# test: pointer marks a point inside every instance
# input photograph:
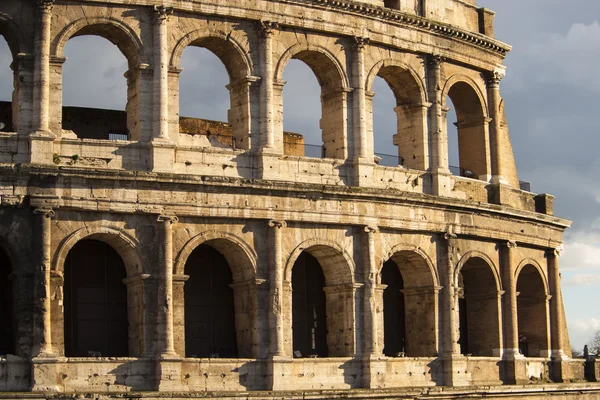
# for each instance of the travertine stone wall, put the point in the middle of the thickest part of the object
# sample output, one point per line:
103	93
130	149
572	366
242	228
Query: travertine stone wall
261	203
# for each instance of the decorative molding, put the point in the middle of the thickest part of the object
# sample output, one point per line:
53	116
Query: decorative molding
267	28
44	6
45	212
162	13
172	219
277	224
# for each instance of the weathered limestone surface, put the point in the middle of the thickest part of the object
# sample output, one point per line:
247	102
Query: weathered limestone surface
478	256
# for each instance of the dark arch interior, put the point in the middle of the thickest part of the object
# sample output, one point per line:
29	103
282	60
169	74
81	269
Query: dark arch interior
209	306
531	311
478	309
96	323
309	321
393	310
6	306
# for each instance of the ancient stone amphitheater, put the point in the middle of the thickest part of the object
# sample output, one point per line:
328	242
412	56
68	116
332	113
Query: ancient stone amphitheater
140	257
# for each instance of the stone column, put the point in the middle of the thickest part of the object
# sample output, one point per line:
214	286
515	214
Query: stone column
370	347
168	363
362	152
162	150
41	139
513	360
161	73
279	362
373	361
43	363
438	139
454	363
266	29
41	68
276	290
496	145
165	299
556	306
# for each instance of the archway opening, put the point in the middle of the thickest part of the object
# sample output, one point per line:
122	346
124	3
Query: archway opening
210	323
319	121
6	87
220	119
7	344
410	304
98	101
309	321
399	119
96	318
478	305
467	133
393	310
532	313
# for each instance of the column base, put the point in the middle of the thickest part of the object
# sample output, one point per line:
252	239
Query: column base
161	155
374	371
44	374
279	371
456	371
441	183
168	373
41	147
363	171
269	165
514	368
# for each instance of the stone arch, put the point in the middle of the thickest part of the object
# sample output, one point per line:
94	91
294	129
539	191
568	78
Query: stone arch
338	266
478	254
123	243
411	111
237	61
532	309
12	34
410	303
479	309
421	261
235	250
116	31
534	263
473	126
241	260
331	76
319	59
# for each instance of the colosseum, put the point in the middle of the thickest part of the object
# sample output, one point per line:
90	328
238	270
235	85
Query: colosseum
149	255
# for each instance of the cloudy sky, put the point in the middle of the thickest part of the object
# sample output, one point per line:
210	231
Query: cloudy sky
551	94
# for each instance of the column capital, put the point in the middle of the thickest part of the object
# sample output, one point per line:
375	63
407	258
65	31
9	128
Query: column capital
511	244
45	212
277	224
359	42
450	234
494	77
556	252
267	28
435	60
44	6
162	13
371	229
171	219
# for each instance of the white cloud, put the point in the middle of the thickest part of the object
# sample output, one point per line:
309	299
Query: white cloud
585	326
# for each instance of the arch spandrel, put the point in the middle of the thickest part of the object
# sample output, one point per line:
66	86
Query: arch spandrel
231	47
114	30
240	256
337	264
123	243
